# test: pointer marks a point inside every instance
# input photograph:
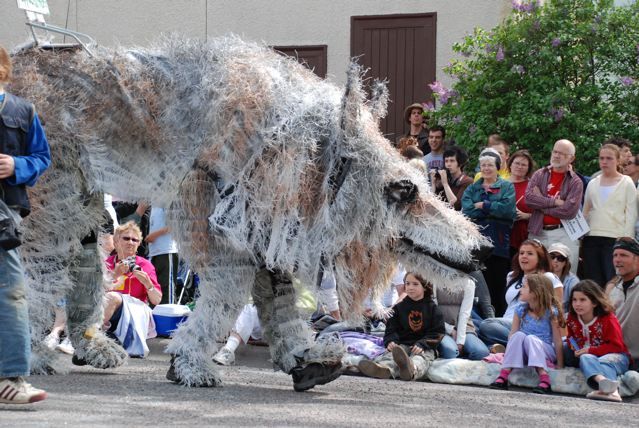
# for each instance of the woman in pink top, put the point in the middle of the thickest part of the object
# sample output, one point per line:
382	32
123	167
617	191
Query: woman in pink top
521	166
131	274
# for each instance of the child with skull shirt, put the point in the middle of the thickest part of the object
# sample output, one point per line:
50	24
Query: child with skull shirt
412	335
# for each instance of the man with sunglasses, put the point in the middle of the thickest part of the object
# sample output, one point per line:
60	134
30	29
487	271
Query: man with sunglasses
554	194
624	293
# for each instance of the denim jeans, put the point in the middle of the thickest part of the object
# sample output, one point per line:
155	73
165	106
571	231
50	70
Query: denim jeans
495	330
610	366
474	348
15	346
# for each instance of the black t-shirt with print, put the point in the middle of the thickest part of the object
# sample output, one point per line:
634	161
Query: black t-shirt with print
415	322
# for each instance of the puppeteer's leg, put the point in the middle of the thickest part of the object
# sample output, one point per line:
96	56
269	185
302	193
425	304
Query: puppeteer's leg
291	341
84	314
224	290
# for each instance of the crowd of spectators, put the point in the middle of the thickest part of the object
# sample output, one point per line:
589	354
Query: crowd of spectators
546	225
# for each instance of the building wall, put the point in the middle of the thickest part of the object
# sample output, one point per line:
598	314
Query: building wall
276	22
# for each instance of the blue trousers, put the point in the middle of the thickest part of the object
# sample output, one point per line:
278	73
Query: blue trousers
15	346
495	330
609	366
474	348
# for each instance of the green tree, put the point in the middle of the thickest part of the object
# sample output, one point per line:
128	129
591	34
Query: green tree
567	69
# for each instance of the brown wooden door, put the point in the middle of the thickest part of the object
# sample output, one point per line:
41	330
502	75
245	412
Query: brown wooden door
313	57
400	49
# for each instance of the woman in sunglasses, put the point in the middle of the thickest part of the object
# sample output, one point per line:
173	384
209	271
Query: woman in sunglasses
560	266
134	286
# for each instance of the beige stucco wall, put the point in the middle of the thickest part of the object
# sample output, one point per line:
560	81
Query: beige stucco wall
277	22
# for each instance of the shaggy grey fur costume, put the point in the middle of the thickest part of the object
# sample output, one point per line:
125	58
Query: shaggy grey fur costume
267	171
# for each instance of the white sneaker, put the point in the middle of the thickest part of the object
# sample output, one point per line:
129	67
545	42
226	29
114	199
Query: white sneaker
224	357
65	346
17	391
51	341
379	328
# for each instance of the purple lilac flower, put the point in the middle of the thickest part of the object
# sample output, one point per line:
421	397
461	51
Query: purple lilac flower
499	56
536	25
556	42
522	6
443	94
627	81
472	129
448	95
457	119
443	98
429	106
437	87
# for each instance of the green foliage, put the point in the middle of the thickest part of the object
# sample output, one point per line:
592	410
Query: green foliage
567	69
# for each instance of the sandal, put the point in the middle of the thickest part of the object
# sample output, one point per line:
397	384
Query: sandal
500	383
542	388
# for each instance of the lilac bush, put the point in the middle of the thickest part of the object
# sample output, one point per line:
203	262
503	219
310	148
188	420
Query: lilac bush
564	69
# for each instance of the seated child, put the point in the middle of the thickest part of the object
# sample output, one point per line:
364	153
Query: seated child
535	337
595	337
412	335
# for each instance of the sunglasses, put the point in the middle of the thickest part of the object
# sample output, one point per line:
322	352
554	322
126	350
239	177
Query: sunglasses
127	239
558	257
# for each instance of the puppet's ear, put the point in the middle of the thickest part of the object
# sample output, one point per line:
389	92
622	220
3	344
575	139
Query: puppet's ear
379	100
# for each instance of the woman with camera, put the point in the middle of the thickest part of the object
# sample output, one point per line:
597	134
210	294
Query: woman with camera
134	283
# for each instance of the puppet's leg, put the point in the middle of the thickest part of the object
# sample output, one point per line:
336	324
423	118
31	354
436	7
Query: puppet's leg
224	290
290	339
85	311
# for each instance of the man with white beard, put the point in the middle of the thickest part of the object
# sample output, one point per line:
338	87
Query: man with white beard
554	193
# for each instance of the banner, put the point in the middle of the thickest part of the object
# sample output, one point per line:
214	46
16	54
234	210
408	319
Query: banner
37	6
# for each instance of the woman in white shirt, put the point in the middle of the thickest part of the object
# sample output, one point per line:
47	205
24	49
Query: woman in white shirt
531	258
610	207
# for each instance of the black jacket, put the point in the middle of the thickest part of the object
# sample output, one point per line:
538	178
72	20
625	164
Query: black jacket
415	323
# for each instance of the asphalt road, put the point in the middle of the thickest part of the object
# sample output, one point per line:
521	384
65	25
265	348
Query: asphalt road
254	395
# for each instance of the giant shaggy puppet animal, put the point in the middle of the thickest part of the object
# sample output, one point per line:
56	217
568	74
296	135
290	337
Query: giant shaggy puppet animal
267	171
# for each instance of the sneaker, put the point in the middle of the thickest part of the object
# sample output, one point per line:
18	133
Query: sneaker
17	391
608	386
379	328
314	374
372	369
224	357
51	341
406	368
66	346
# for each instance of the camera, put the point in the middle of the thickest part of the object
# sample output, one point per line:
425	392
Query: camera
129	262
438	176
